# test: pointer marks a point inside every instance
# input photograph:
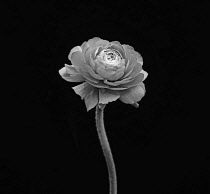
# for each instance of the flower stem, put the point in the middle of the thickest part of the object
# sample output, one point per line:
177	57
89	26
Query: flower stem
106	149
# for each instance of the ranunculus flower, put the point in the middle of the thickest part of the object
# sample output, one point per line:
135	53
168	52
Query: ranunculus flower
108	71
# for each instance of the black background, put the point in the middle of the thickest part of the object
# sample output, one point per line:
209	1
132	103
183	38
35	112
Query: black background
49	142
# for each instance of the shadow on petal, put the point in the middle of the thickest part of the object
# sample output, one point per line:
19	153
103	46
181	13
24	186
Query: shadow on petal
91	100
106	96
132	95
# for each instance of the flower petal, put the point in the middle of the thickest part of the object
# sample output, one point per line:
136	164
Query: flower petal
83	89
144	73
136	70
92	42
76	59
78	62
106	96
87	54
116	76
117	83
129	50
138	79
76	77
91	100
103	73
102	85
117	46
84	47
131	64
132	95
93	74
102	43
71	69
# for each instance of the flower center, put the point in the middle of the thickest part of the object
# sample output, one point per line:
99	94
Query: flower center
110	57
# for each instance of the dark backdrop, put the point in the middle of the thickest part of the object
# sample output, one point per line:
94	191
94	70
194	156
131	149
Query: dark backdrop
49	143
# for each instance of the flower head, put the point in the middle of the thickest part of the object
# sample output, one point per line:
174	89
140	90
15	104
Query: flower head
108	71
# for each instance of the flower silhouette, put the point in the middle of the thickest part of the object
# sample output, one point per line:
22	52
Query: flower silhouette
108	70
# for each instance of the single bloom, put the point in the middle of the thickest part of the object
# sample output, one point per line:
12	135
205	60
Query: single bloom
108	70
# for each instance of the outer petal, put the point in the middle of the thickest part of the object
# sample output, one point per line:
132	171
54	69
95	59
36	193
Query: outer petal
131	64
75	49
89	52
91	100
92	42
75	77
83	89
136	70
98	85
102	85
144	73
128	52
137	80
77	59
71	69
132	95
117	83
106	96
102	43
78	62
84	47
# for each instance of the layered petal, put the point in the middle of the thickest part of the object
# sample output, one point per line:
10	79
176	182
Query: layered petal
132	95
132	62
116	75
102	85
91	100
92	42
93	73
103	73
135	70
84	47
144	73
102	43
137	80
83	89
79	64
117	46
71	75
128	52
117	83
106	96
77	59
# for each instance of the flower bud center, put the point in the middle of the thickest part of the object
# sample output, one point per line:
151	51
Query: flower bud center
110	57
